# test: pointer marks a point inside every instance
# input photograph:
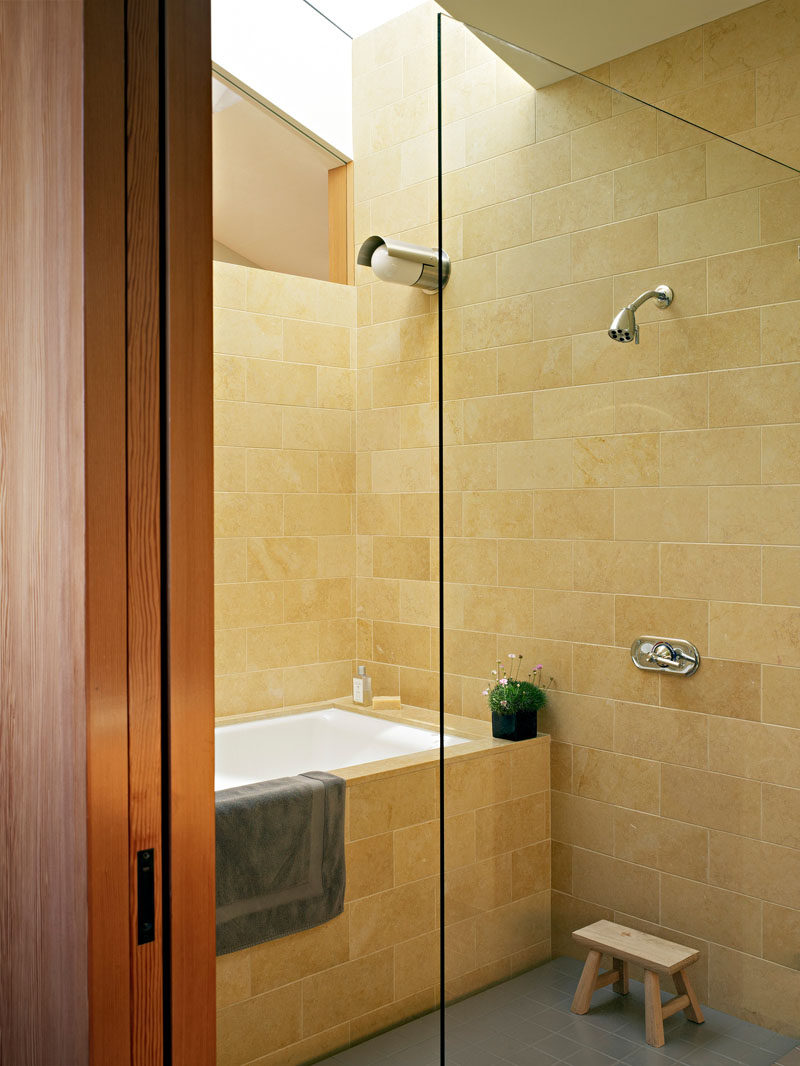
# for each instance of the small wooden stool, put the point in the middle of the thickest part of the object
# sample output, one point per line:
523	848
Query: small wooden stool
655	955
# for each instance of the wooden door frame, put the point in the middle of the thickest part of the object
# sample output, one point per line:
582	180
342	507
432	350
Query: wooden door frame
149	527
106	578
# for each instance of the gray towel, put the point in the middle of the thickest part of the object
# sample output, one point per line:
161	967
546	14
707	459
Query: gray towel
280	858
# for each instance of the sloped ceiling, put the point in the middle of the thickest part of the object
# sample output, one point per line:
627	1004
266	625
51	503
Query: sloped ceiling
581	34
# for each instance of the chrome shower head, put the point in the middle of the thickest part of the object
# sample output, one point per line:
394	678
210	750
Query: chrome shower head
624	328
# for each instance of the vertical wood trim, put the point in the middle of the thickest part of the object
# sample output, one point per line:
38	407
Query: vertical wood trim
189	548
144	507
43	884
106	576
341	251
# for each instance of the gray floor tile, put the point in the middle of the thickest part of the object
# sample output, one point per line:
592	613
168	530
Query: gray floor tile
649	1056
560	1047
527	1022
588	1056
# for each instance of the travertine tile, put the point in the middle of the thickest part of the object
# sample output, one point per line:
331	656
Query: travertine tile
503	225
594	359
385	918
630	781
573	513
574	410
754	989
242	333
538	464
615	249
781	580
752	277
573	616
570	104
760	752
709	227
718	572
611	882
749	631
764	871
578	308
344	991
616	142
614	461
661	183
781	815
651	404
705	911
579	205
663	69
781	698
501	129
747	39
616	566
583	823
532	168
638	615
780	333
712	342
717	801
259	1025
754	396
722	687
533	266
666	845
655	514
757	515
668	736
600	670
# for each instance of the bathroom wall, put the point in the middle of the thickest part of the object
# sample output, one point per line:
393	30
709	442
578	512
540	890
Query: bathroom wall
284	471
598	491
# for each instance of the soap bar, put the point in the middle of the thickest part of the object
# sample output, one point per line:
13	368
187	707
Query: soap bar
386	703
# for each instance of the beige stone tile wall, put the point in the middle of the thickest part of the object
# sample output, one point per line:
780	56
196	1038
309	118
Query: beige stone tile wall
291	1000
596	491
284	471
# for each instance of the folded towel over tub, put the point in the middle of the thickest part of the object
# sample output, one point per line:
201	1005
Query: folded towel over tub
280	858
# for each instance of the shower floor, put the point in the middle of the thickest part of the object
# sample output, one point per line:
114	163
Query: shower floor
527	1022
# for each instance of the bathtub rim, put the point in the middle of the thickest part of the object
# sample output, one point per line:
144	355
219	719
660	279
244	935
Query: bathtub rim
477	735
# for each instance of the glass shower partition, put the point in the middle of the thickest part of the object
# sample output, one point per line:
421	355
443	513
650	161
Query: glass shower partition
619	469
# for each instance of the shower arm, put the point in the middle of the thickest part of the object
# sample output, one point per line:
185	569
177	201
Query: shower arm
662	295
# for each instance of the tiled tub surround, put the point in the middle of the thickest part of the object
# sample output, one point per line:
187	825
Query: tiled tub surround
291	1000
284	471
598	491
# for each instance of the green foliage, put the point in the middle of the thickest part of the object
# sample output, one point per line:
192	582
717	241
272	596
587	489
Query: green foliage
516	697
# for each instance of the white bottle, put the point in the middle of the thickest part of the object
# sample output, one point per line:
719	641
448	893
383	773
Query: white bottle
362	688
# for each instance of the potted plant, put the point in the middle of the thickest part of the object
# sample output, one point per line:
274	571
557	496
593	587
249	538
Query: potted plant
514	703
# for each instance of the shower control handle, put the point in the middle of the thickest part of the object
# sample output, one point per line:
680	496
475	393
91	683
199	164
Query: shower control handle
671	655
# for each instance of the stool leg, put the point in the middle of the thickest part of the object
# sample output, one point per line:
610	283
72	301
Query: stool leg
583	993
683	986
654	1019
621	986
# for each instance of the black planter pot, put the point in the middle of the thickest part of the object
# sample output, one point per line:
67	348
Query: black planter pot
514	726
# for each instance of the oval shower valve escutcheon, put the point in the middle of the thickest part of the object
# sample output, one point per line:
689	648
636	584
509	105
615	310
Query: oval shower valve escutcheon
668	655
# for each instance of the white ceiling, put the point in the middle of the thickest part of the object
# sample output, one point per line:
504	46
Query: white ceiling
581	34
270	189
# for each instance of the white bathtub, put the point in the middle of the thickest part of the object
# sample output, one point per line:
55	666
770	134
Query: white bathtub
327	739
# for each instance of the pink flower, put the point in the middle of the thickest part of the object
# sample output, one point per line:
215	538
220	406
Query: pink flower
503	681
540	667
504	703
486	692
512	655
